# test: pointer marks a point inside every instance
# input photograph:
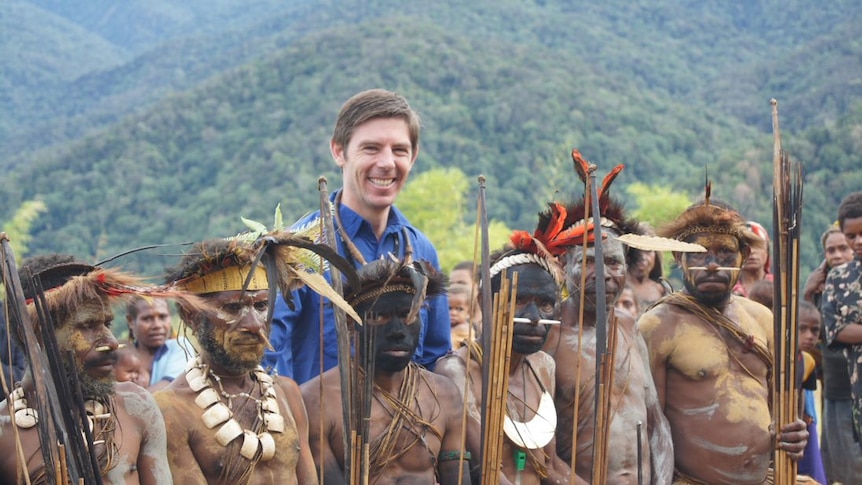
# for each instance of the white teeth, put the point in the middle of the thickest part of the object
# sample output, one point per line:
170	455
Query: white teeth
382	182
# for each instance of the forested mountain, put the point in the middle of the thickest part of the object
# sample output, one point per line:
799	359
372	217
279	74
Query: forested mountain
195	116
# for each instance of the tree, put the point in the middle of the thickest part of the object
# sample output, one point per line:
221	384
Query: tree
18	227
436	202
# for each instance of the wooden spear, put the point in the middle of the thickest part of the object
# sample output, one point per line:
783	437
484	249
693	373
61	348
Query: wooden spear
342	332
787	219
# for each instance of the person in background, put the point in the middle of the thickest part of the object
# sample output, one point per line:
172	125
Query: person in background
375	142
162	357
811	463
628	302
459	314
645	277
841	307
842	459
757	264
128	367
462	274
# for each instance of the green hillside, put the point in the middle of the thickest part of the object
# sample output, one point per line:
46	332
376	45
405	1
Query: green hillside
506	89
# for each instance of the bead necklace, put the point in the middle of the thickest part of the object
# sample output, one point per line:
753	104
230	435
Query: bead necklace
200	379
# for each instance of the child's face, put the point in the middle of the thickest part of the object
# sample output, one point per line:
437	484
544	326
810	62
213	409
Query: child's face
459	310
128	368
809	330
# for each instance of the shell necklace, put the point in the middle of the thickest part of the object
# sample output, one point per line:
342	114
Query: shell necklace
200	379
27	417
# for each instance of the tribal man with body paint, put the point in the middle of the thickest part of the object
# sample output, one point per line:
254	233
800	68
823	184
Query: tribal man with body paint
127	427
413	415
711	356
228	421
634	406
529	450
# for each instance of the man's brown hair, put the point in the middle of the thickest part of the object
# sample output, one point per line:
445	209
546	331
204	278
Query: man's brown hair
371	104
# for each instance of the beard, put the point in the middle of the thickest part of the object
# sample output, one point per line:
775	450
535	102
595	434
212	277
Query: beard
220	356
91	387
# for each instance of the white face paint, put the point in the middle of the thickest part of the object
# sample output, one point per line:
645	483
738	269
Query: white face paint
581	265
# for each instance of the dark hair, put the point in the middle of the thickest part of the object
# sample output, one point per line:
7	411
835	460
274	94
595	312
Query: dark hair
371	104
833	229
209	256
807	306
132	305
850	208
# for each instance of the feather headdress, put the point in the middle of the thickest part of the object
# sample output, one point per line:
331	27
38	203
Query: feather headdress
711	216
285	258
384	276
67	283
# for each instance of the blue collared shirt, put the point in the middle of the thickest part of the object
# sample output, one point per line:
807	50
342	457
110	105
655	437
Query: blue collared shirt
295	333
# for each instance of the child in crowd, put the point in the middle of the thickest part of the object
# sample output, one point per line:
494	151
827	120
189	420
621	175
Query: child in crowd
128	367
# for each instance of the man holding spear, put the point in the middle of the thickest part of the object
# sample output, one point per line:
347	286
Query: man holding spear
711	357
611	428
125	425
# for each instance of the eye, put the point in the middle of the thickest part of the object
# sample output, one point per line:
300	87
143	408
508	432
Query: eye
261	306
232	307
374	318
546	306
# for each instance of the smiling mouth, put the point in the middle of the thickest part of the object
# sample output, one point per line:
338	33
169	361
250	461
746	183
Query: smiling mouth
382	183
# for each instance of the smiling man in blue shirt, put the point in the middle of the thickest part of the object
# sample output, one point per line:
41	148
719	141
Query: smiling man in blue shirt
375	142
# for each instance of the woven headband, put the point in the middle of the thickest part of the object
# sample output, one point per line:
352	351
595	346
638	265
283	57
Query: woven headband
394	288
711	229
525	258
231	278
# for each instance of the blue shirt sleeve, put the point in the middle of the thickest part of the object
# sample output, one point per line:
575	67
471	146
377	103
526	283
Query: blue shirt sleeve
437	338
280	358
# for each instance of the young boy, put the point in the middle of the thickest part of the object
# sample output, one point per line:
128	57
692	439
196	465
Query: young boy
811	463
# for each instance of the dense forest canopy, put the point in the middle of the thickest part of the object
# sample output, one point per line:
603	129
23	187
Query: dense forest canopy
143	123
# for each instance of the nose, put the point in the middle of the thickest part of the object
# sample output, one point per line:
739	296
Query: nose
107	342
530	312
252	321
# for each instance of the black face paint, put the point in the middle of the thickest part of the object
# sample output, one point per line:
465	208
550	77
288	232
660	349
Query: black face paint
537	299
395	340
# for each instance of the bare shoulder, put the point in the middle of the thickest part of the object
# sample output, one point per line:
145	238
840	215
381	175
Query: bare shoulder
288	385
759	313
656	319
323	387
441	385
753	308
136	400
452	364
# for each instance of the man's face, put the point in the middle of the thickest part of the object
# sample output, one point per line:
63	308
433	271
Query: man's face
614	277
709	276
85	331
809	330
837	250
852	230
152	326
233	337
375	164
395	339
536	300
